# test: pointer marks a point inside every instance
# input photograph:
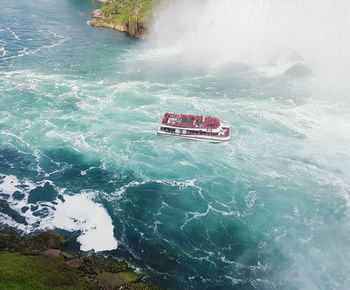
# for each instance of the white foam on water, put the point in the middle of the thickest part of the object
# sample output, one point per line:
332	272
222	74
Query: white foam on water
9	183
234	281
120	192
75	213
52	38
15	35
182	184
80	213
3	51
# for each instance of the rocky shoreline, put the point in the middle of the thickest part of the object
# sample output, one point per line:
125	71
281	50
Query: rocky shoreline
97	272
135	28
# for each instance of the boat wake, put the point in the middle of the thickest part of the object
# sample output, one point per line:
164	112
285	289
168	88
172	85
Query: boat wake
79	150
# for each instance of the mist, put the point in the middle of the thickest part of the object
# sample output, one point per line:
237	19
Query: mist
262	33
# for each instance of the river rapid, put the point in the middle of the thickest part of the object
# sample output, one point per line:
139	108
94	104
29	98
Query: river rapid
79	109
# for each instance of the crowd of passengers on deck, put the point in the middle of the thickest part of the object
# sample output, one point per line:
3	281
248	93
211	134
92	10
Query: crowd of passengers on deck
182	120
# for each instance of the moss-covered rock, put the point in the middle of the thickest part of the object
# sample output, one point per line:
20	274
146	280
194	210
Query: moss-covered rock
10	241
39	263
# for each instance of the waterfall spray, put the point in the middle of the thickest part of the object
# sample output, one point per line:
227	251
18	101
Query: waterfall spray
257	32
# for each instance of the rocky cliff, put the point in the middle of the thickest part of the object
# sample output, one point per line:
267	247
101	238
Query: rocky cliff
130	16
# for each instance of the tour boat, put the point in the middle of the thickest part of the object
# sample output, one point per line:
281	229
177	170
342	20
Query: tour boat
203	128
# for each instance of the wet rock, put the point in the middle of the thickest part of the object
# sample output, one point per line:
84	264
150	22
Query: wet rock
133	28
67	256
99	22
137	28
298	71
51	253
48	240
111	281
97	13
61	198
9	241
75	263
48	243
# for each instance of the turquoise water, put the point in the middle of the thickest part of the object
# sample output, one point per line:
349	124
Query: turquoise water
79	110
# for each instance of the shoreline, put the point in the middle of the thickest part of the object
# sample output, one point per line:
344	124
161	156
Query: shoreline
134	26
48	249
99	20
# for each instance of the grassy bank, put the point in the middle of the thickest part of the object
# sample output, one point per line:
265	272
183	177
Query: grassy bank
124	11
40	262
39	273
129	16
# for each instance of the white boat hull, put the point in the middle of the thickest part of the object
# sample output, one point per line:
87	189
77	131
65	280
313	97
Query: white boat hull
211	139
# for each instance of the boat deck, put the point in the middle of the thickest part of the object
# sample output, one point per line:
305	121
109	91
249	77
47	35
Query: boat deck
190	121
194	127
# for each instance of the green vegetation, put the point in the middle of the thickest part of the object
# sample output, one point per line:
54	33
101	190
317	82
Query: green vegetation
125	11
38	263
21	272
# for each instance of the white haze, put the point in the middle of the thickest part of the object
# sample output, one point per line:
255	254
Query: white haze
258	32
273	35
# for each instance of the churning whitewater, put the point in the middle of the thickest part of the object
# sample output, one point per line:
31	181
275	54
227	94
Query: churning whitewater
78	151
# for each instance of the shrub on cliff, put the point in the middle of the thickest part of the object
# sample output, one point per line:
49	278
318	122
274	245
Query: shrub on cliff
125	11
